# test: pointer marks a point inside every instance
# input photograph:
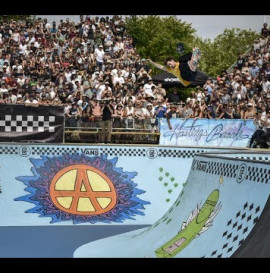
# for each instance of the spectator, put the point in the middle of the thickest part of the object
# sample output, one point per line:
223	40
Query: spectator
174	96
172	114
99	54
107	111
265	31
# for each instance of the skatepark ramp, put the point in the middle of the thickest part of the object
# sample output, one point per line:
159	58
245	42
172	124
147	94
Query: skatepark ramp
67	195
132	201
222	211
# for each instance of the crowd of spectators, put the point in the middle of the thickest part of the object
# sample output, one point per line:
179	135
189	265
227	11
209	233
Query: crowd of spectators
84	64
238	94
78	65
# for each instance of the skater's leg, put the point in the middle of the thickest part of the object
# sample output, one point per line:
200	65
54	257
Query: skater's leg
196	55
186	73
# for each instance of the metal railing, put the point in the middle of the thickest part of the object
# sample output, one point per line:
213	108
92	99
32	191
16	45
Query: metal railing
125	130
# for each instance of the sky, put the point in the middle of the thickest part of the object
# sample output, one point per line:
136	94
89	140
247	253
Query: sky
207	26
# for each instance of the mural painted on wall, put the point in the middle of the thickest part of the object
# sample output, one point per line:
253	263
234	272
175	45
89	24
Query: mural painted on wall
200	219
82	189
206	132
168	181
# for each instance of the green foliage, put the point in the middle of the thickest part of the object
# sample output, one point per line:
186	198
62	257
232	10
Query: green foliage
156	38
223	51
10	18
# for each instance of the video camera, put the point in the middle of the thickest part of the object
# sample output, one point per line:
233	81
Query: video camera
106	102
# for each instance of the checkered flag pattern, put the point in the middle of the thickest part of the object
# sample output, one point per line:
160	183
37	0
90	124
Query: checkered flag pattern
238	229
122	152
260	158
36	150
257	174
9	150
221	168
19	123
178	153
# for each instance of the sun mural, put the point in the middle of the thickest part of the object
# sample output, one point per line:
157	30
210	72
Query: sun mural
82	189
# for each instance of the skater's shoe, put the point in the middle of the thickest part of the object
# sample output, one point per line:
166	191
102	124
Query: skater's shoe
196	54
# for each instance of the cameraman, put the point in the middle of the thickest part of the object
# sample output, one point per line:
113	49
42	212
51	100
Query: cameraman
107	111
258	134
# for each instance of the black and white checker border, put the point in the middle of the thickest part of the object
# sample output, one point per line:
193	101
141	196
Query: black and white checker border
222	168
20	123
131	152
10	150
179	153
260	175
36	150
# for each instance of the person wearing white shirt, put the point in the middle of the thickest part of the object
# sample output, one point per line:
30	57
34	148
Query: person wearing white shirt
22	47
99	54
148	88
114	71
119	78
31	99
100	86
265	84
21	80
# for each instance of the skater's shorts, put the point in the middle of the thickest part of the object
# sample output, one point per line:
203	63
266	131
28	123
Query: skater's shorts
186	73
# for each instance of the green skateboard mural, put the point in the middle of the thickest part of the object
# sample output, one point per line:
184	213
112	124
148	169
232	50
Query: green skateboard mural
198	222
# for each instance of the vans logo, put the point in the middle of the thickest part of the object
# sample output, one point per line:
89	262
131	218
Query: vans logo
90	151
199	165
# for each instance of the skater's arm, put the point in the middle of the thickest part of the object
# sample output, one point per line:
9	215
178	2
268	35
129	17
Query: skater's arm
159	66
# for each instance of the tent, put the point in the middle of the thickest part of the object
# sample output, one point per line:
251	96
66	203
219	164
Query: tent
168	80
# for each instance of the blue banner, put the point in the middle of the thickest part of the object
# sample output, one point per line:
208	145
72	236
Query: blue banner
206	132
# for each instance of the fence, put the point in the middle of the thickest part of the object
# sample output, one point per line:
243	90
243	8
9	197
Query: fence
124	130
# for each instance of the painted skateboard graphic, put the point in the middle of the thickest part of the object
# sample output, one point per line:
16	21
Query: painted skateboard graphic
198	222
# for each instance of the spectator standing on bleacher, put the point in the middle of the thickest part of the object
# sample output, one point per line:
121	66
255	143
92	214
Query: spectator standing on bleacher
107	111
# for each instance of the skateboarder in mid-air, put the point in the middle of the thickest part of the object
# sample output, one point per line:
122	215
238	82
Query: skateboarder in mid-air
185	69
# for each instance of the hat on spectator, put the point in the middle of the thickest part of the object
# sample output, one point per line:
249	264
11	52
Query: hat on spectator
143	60
107	83
149	104
250	104
19	96
100	45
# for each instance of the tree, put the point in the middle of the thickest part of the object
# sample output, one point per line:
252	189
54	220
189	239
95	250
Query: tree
10	18
223	51
156	37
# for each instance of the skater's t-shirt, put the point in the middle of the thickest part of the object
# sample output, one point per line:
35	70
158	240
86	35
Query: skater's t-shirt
176	72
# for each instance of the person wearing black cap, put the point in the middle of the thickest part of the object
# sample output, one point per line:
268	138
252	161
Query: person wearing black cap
185	71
